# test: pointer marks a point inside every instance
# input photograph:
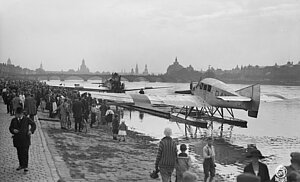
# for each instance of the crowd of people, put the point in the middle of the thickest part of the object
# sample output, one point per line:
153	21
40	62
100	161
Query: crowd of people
24	97
65	103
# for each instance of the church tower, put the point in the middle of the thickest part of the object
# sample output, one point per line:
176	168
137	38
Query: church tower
136	69
41	66
146	70
83	68
8	61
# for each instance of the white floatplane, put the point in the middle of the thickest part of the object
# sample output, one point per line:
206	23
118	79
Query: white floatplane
205	101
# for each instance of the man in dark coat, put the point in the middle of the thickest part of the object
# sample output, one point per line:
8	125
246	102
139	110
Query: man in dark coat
78	109
30	106
115	127
19	127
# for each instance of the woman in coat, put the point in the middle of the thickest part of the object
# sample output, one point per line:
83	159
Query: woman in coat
257	168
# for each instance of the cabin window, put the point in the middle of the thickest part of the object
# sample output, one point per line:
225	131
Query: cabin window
201	85
205	87
209	88
217	93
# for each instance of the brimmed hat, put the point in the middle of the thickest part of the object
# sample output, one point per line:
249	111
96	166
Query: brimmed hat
255	153
247	177
19	110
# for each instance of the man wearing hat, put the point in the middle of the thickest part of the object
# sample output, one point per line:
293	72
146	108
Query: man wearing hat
257	168
19	127
293	170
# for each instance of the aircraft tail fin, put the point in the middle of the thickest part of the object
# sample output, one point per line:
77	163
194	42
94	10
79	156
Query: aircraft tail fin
252	92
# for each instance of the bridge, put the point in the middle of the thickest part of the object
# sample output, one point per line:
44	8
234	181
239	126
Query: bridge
86	77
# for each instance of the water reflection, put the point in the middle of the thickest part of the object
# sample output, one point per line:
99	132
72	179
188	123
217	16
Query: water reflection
141	115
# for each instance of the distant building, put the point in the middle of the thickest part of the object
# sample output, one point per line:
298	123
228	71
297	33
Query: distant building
190	68
174	67
132	71
9	61
136	69
40	69
83	68
146	70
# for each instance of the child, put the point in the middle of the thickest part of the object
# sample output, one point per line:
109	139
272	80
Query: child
183	163
122	131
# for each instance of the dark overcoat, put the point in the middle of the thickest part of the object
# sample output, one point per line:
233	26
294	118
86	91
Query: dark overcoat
263	171
77	109
22	139
30	105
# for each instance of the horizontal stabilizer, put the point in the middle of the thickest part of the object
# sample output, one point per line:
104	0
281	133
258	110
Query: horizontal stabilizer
234	98
183	92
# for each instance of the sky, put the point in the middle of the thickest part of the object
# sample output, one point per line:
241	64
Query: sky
115	35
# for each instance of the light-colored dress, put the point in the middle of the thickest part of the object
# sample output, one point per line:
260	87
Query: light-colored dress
122	129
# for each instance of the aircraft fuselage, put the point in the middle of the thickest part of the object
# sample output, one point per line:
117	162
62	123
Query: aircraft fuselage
207	91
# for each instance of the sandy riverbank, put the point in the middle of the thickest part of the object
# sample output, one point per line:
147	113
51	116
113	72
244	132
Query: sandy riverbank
96	157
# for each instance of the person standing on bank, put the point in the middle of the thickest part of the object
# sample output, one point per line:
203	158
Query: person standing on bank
257	168
209	165
19	127
166	156
30	106
115	127
78	109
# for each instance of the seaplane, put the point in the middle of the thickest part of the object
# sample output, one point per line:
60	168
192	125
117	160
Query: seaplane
111	85
207	100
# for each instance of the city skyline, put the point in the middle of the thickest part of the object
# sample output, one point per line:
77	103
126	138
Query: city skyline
114	35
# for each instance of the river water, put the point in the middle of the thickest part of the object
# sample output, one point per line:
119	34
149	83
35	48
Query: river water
276	131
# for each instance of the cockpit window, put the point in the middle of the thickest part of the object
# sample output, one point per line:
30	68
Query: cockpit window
205	87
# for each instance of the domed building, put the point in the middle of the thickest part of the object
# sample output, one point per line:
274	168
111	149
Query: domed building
174	67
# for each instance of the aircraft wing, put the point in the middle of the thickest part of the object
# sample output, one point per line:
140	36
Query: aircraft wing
81	88
178	100
154	100
234	98
115	97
